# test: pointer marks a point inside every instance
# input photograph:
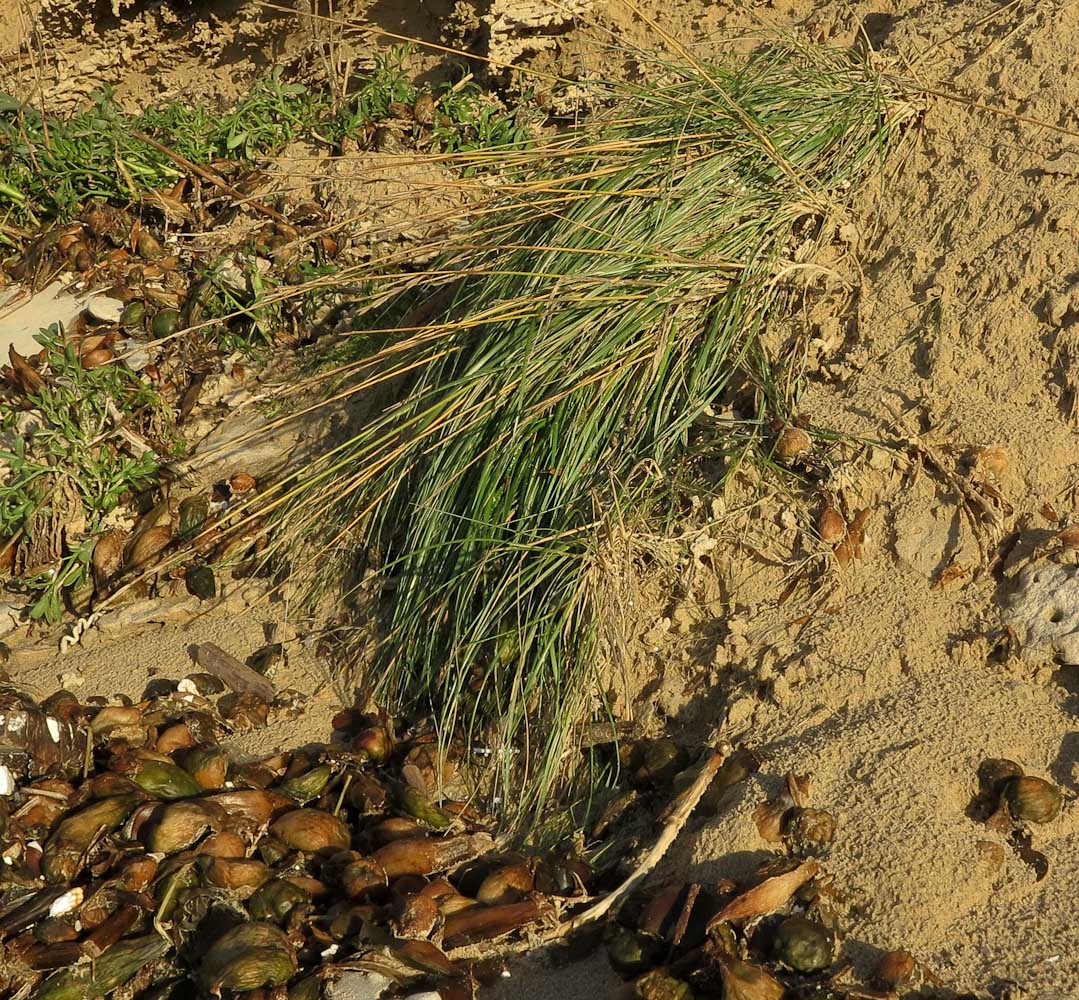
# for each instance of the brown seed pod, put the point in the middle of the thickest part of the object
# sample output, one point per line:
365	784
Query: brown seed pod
96	358
769	819
208	765
481	923
792	445
108	557
426	855
1069	537
311	831
253	804
225	844
994	773
1033	800
242	875
176	826
896	969
362	877
508	884
831	526
144	548
395	828
242	482
66	850
173	738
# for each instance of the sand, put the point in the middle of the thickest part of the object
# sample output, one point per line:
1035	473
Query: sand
951	324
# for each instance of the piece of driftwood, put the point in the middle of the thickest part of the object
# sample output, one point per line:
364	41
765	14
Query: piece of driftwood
238	676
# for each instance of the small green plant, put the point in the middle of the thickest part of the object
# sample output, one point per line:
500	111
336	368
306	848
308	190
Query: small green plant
69	474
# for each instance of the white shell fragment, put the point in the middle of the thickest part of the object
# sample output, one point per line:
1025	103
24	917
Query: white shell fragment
1044	611
66	903
7	782
104	309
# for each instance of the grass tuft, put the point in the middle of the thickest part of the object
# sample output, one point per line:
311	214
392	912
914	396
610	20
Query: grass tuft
611	291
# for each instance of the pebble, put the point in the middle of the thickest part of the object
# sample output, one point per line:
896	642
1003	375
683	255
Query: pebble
104	309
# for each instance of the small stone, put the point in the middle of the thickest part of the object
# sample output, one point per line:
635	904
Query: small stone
104	309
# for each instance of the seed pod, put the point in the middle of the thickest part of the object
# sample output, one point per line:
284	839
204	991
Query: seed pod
482	923
114	968
135	874
1033	800
792	445
254	804
147	246
311	831
223	844
417	804
192	514
275	899
201	582
631	952
96	358
375	741
803	945
208	765
896	969
307	786
832	527
809	831
507	885
176	827
133	314
426	855
164	324
659	984
65	851
241	875
361	877
1069	537
742	981
395	828
242	482
248	957
164	779
175	737
144	548
205	685
769	817
994	773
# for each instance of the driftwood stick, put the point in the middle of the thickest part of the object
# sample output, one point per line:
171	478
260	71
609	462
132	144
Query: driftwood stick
676	817
238	676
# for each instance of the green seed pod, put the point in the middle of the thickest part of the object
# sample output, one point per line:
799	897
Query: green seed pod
133	314
417	804
631	952
274	900
803	945
192	516
114	968
164	324
1033	800
66	849
148	246
248	957
742	981
659	984
201	582
165	780
307	786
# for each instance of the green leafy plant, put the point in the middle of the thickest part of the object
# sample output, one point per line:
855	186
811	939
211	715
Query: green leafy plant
70	459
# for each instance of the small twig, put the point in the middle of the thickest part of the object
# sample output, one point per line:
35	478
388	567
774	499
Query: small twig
674	818
214	178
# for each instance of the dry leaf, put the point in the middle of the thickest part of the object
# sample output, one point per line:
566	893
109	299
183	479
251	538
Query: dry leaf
769	896
25	373
952	572
769	819
798	788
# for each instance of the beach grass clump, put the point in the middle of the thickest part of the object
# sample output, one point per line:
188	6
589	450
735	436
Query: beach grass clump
608	292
